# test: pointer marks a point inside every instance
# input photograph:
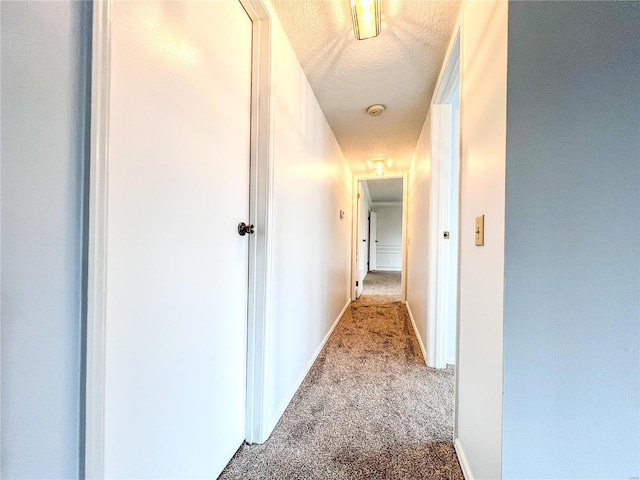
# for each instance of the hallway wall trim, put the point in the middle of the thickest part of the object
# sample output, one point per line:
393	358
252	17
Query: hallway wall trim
260	212
415	330
94	395
462	458
388	269
294	388
441	158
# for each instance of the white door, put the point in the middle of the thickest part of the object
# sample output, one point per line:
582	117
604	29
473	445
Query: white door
373	240
177	270
361	247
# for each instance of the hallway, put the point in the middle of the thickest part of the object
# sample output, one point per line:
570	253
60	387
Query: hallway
192	194
369	408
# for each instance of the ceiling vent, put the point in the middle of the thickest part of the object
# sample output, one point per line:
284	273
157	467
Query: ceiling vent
375	110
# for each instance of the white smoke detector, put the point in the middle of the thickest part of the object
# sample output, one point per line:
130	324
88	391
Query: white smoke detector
375	110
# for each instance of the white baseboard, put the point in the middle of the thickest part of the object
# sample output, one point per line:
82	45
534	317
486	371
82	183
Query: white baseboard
462	458
451	361
415	329
296	385
387	269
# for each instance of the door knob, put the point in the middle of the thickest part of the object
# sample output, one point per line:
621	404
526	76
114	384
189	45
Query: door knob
243	229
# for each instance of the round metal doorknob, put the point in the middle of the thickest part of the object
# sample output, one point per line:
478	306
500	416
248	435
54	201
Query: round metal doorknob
243	229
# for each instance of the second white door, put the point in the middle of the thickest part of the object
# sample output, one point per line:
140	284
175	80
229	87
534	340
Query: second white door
373	240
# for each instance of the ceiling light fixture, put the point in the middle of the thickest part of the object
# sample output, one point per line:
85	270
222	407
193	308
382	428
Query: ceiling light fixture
375	110
366	18
379	165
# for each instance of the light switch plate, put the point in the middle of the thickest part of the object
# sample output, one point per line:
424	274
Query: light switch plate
480	230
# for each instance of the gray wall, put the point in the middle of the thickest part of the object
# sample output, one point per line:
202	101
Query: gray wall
43	61
572	317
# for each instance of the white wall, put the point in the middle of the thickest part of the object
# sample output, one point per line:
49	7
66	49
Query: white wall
572	316
482	164
311	245
43	87
483	70
418	230
554	182
389	236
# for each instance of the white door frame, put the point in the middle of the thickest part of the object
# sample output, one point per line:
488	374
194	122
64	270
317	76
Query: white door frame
94	400
260	191
354	226
260	213
364	207
448	83
440	161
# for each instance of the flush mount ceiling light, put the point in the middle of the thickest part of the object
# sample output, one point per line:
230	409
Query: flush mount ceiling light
378	165
366	18
375	110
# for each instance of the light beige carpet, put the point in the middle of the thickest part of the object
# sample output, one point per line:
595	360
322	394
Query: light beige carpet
386	284
369	408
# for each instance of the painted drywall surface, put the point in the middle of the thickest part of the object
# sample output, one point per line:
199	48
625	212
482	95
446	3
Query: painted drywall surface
571	320
418	206
389	246
311	245
43	123
483	71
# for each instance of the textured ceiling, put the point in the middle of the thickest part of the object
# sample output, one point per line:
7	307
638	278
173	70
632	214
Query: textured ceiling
398	69
385	190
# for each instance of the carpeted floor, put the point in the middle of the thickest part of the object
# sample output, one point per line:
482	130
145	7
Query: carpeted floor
385	284
369	408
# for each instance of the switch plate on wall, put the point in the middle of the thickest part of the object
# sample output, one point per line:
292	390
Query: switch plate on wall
480	230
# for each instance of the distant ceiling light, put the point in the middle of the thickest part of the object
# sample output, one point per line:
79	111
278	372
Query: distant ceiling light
379	167
366	18
375	110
